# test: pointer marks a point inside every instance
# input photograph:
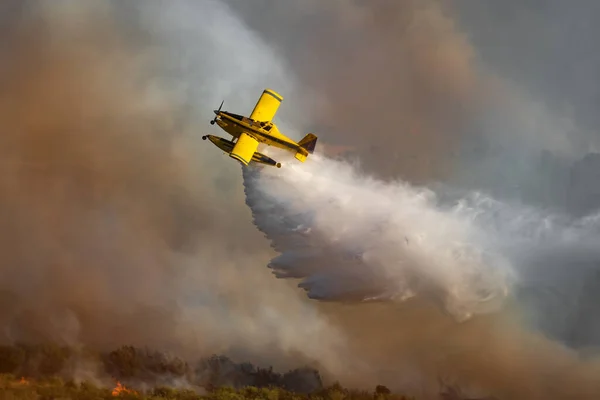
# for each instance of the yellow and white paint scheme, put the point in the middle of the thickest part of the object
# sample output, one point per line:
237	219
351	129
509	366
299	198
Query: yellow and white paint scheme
248	132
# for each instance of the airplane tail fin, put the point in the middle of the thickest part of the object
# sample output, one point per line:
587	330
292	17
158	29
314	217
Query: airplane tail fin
307	146
308	143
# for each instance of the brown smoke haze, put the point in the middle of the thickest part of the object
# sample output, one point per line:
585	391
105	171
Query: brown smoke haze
115	228
411	57
89	185
410	347
118	227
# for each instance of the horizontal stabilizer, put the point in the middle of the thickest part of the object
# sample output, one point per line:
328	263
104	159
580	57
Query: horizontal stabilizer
300	157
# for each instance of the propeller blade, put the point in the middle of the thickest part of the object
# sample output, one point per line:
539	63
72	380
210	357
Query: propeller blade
212	122
218	110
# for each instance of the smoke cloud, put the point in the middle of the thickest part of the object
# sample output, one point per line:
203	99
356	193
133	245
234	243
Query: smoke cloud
117	228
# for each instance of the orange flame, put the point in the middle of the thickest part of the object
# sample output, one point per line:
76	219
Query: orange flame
119	389
23	381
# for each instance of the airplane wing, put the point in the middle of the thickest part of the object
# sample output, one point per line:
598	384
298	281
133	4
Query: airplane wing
244	149
267	105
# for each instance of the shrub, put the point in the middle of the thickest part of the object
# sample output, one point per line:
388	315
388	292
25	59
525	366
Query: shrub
128	362
48	374
11	359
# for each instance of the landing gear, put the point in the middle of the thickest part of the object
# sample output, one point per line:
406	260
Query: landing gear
204	137
278	165
212	121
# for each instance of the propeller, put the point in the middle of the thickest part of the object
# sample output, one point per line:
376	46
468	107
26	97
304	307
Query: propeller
212	122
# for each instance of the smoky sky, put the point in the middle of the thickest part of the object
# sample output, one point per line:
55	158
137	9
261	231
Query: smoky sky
546	49
498	96
547	46
393	80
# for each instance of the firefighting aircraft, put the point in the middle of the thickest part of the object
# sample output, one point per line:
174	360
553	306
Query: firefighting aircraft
249	132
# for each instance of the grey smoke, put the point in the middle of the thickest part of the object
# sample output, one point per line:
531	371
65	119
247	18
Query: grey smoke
125	219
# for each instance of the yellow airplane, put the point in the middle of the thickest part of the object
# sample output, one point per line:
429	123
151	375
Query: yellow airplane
249	132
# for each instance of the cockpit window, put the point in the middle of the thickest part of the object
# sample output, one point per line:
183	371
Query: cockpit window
236	116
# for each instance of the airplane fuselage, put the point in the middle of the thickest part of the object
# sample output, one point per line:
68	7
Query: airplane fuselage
249	132
263	132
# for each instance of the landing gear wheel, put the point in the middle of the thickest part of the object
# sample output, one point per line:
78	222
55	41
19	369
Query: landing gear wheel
212	121
278	165
204	137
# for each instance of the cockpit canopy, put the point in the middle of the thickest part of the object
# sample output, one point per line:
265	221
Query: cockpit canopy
266	125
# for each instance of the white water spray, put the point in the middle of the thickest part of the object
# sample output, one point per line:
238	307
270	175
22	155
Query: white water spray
352	238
